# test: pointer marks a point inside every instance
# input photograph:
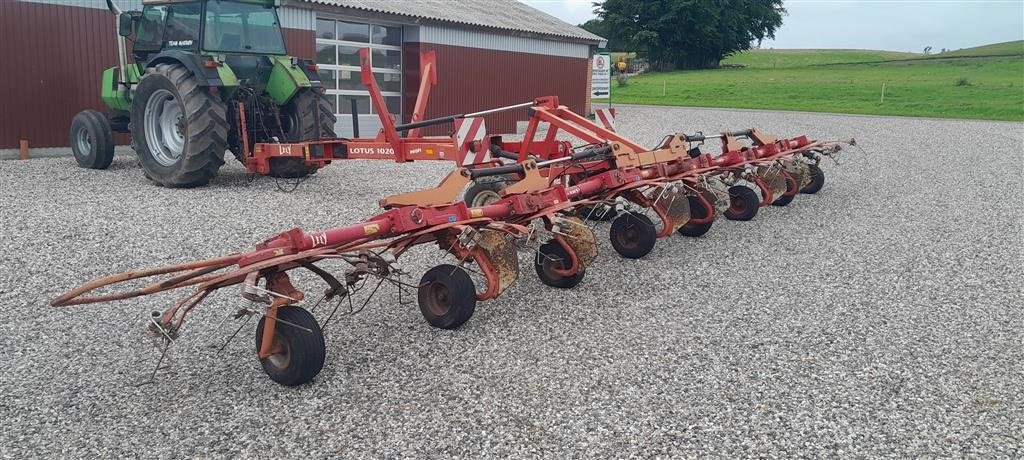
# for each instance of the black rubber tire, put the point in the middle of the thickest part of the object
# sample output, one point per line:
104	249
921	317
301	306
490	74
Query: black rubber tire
697	211
95	127
817	180
205	128
633	235
743	203
447	296
301	122
788	196
306	349
551	255
483	191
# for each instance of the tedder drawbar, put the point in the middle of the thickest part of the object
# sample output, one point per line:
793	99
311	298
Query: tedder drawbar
542	193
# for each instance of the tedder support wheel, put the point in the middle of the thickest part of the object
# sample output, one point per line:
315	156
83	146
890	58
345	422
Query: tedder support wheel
485	190
633	235
697	211
92	140
743	203
298	354
787	197
179	129
447	296
551	256
308	116
817	180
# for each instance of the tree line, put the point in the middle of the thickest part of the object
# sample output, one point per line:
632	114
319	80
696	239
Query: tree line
685	34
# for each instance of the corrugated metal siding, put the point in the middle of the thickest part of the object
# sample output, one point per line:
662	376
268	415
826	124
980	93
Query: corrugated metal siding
501	15
471	79
125	5
297	18
504	42
51	60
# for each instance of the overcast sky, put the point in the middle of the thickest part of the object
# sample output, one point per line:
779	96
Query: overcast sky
870	24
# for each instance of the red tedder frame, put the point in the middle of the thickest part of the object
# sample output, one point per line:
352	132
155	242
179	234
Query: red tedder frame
388	144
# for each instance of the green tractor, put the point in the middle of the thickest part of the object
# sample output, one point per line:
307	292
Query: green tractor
203	77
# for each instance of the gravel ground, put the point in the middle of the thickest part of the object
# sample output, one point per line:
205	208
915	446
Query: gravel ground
881	317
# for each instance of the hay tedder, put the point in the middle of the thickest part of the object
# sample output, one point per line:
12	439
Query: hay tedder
539	195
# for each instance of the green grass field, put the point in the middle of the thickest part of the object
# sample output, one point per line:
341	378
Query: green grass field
949	85
996	49
773	59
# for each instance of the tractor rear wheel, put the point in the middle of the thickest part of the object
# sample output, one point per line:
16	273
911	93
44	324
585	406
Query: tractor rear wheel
92	140
697	211
179	130
298	355
550	256
743	203
447	296
817	180
633	235
307	117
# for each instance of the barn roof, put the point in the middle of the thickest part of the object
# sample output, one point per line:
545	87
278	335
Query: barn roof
509	15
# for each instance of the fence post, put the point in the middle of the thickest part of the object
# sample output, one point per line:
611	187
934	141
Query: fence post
23	150
664	85
881	100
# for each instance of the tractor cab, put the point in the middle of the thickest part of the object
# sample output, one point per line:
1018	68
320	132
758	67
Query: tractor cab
208	27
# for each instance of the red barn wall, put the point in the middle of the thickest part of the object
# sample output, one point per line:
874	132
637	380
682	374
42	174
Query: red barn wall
472	79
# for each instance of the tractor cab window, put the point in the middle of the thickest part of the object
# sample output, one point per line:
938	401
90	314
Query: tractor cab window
173	26
150	33
182	28
233	27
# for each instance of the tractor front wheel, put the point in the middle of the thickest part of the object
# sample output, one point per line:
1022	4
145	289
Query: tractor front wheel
447	296
92	140
298	352
179	129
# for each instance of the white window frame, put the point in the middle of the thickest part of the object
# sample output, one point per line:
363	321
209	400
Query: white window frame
356	69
